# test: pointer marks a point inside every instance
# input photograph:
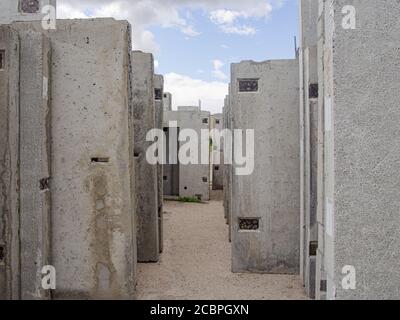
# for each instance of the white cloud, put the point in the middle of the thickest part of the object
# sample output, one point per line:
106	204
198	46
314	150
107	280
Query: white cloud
228	15
242	30
187	91
156	64
217	72
227	20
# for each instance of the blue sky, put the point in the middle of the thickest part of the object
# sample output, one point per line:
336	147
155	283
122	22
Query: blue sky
195	41
193	56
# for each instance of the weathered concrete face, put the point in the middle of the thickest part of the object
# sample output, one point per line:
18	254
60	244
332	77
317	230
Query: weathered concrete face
189	108
265	204
9	168
217	155
194	179
23	10
362	151
228	124
92	221
320	277
35	162
167	101
159	111
308	142
146	174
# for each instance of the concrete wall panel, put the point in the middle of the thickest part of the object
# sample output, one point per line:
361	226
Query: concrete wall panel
9	164
35	170
146	174
271	193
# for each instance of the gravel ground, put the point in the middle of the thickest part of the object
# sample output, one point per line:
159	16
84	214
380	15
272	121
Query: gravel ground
195	264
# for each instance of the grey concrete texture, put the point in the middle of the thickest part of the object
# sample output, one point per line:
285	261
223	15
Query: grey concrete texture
320	277
308	140
9	164
217	154
271	193
362	79
228	168
23	10
159	111
35	162
92	221
194	179
167	101
148	242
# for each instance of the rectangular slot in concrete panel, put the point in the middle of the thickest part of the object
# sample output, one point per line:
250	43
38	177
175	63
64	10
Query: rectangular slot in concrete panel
205	179
2	254
323	285
248	85
100	160
29	6
2	59
205	121
44	184
313	90
158	94
313	248
249	224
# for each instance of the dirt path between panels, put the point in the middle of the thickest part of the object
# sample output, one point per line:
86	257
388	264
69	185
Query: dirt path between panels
195	264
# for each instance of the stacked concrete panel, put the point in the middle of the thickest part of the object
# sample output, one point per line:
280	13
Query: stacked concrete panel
308	143
9	164
35	162
159	111
320	277
265	204
167	101
361	148
217	155
92	236
227	123
143	92
194	179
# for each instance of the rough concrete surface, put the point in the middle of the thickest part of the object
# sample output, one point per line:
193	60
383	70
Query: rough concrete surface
362	150
35	117
159	111
146	210
9	164
196	262
92	221
271	193
194	179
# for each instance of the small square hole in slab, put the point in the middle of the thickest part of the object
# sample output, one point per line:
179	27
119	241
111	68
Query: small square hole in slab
313	248
158	94
29	6
249	224
100	160
2	59
248	85
2	254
